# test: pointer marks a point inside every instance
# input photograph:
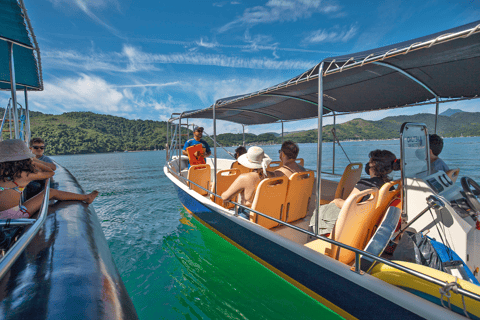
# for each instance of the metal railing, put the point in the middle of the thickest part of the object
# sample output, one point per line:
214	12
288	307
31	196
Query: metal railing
14	252
357	252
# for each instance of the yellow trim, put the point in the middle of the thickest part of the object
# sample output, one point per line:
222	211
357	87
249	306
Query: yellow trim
297	284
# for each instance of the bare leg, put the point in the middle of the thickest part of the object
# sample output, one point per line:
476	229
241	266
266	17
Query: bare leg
34	204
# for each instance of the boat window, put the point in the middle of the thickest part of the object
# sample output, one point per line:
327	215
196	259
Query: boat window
414	150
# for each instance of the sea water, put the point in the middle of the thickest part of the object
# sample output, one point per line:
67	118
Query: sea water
174	267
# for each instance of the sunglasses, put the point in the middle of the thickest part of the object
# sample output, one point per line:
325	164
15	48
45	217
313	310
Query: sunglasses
279	151
37	147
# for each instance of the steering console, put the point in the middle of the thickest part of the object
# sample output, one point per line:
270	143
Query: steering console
471	189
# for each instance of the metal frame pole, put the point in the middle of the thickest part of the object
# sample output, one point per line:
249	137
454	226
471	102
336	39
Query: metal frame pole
243	126
436	113
27	111
179	144
282	131
10	117
334	130
319	144
13	88
215	148
188	133
166	145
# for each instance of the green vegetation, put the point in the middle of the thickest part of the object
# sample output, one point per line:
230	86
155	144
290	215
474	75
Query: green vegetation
87	132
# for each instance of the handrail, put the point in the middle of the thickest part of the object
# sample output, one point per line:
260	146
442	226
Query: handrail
358	252
14	252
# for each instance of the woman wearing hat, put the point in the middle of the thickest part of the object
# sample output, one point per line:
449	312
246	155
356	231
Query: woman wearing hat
18	167
246	184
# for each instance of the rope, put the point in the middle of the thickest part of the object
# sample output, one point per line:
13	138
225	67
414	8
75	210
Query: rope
218	144
335	136
445	291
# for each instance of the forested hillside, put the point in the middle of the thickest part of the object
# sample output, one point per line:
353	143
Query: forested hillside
87	132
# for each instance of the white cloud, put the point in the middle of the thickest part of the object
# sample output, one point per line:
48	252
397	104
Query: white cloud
87	6
133	59
335	34
279	11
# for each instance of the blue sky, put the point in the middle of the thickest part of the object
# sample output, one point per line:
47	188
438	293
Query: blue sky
145	59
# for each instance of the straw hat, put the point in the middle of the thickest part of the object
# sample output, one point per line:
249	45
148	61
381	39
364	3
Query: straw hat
255	158
14	150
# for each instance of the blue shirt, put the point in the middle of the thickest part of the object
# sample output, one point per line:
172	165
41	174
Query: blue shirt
438	165
193	142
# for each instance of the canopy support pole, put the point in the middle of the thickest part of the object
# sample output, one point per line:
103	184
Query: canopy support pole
243	126
319	144
27	111
282	131
188	133
179	147
166	145
436	114
13	88
215	148
334	130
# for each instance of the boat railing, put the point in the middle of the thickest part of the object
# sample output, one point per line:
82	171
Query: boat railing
19	246
23	119
358	252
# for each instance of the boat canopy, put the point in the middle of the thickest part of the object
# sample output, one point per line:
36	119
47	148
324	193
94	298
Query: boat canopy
433	69
16	30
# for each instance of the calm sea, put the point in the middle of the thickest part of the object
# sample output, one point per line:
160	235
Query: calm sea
174	267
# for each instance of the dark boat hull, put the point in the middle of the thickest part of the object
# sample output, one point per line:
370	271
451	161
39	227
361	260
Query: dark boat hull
67	271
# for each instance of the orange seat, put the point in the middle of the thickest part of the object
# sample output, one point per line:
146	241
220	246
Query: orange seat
269	199
351	227
386	195
299	190
300	161
225	178
238	166
274	165
350	177
453	174
199	174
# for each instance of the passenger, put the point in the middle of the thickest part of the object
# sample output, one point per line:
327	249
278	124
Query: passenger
197	139
381	163
37	146
288	154
18	167
239	151
436	146
246	184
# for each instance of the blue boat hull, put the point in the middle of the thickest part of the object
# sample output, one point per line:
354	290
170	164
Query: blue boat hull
343	296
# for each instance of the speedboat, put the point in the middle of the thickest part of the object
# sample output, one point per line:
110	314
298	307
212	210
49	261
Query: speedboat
412	249
56	265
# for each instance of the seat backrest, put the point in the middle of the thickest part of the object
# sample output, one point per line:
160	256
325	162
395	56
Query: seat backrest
387	193
299	190
225	178
300	161
238	166
199	174
453	174
349	179
269	199
274	165
351	226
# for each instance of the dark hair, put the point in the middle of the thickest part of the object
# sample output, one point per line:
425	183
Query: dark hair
384	162
290	149
36	140
239	151
13	169
436	143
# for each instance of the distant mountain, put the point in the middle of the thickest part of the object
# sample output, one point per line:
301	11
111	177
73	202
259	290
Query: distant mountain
449	112
87	132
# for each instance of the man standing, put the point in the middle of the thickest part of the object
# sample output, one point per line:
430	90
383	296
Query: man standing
37	146
197	139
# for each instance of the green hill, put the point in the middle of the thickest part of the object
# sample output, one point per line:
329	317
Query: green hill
87	132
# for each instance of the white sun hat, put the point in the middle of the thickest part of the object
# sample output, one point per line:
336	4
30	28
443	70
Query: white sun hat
255	158
14	150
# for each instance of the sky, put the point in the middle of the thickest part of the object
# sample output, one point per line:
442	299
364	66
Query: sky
146	59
